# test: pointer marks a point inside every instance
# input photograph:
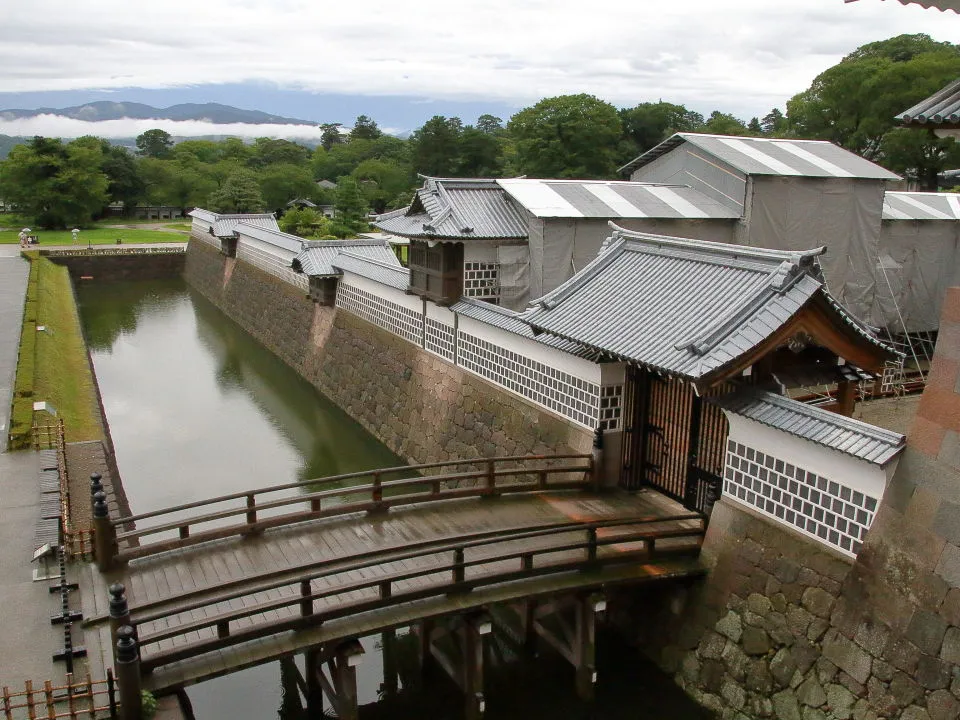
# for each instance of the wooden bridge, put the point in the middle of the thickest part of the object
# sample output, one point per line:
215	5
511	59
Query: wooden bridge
215	586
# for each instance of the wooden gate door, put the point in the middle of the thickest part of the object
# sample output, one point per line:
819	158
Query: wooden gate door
673	440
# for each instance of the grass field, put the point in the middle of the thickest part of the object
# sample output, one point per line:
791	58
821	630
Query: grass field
97	236
52	364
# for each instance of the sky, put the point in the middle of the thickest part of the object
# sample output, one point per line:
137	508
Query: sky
403	62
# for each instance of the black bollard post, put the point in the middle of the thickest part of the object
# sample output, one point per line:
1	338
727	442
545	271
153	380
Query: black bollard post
105	538
119	610
127	662
96	485
596	464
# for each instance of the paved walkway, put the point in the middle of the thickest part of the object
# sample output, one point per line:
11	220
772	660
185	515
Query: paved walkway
27	639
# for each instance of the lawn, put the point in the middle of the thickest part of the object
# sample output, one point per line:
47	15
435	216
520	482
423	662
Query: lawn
52	363
97	236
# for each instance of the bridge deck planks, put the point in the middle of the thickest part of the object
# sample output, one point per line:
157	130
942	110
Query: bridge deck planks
207	566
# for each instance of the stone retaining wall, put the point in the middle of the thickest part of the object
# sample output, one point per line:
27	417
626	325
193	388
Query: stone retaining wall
420	406
139	266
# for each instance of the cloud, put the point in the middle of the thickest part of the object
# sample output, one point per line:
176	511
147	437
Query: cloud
744	56
60	126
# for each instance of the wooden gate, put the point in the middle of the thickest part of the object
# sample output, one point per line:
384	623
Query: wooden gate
673	440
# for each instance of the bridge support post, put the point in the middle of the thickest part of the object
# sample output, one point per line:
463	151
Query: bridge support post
461	659
596	461
127	662
312	664
341	687
388	643
104	534
570	628
473	631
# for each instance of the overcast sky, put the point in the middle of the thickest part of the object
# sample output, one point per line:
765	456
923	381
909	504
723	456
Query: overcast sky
740	56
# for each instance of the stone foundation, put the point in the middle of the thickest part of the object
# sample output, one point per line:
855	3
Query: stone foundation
420	406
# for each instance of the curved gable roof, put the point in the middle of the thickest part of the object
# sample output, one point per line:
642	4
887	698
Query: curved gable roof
686	307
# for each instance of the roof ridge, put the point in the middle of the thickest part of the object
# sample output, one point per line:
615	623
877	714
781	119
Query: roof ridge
722	249
371	261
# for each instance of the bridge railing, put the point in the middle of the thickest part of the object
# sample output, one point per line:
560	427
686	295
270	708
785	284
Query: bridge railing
313	594
257	509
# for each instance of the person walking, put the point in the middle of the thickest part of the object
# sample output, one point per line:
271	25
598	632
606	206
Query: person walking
24	240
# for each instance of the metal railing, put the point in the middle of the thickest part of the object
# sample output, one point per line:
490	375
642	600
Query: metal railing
86	698
440	568
260	508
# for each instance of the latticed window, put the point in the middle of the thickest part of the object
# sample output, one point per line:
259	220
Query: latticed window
482	281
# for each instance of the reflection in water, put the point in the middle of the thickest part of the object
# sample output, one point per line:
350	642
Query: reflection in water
197	409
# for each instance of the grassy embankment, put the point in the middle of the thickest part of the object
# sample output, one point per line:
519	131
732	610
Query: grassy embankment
52	364
97	236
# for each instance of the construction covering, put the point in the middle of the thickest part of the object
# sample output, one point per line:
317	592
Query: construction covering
844	214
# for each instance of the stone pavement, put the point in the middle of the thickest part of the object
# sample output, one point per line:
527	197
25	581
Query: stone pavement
27	639
13	287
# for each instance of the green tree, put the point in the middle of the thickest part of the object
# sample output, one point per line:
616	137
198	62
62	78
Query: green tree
481	148
154	143
649	124
279	184
754	126
919	153
330	136
774	123
567	136
365	129
274	151
349	209
854	102
125	184
55	185
239	193
205	151
305	222
724	124
435	146
381	181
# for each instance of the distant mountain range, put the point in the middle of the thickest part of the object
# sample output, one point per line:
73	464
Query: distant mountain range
105	110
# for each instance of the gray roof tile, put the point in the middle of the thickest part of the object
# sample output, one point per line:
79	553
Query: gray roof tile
511	321
317	256
684	307
853	437
393	275
941	108
772	156
457	209
260	229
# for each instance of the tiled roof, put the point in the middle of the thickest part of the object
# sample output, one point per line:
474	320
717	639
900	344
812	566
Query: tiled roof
769	156
846	435
510	321
921	206
224	225
201	214
610	200
393	275
684	307
457	209
941	108
317	256
270	235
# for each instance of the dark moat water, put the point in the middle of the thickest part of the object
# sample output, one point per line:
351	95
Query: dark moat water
198	408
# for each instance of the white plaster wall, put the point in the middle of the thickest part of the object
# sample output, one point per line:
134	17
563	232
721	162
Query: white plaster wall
583	369
856	474
440	314
411	302
479	251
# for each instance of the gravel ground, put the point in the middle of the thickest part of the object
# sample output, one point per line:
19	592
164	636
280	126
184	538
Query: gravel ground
891	413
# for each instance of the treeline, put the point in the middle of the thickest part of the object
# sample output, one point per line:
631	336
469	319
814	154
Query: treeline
58	184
